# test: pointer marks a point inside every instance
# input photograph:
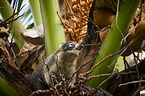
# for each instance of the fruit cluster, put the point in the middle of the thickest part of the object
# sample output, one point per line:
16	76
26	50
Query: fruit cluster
76	19
137	37
103	17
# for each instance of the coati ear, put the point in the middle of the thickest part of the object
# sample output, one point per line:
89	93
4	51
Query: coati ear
60	46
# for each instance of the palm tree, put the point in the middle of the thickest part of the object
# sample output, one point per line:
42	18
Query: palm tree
99	54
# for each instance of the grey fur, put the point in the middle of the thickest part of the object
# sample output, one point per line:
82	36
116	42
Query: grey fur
40	78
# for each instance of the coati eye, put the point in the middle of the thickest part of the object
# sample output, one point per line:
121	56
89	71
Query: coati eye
68	46
71	45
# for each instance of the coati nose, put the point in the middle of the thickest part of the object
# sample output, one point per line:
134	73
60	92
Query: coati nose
81	45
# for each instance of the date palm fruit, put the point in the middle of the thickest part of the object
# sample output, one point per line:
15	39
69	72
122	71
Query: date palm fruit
130	38
103	17
140	35
103	34
127	51
3	32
